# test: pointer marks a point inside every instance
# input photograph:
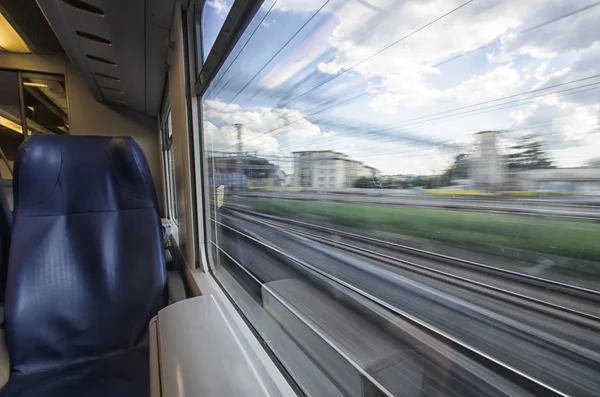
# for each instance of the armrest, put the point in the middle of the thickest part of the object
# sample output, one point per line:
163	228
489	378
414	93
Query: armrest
175	287
4	360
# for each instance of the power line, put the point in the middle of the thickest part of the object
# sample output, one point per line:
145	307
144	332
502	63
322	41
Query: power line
366	93
239	53
308	144
527	30
428	122
386	127
367	155
448	113
357	64
435	114
274	55
374	55
370	31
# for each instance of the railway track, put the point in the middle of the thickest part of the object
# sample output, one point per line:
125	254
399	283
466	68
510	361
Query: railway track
504	362
570	302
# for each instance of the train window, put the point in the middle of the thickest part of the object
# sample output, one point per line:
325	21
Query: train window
458	254
45	101
212	18
169	166
11	129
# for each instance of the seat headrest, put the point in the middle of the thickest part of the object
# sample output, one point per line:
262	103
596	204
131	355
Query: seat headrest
77	174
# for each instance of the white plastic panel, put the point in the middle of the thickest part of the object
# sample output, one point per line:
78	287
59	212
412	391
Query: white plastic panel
155	387
204	353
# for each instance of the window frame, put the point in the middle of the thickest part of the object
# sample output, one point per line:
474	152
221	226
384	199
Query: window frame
239	17
166	132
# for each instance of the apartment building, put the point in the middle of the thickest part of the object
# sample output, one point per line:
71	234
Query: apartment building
327	169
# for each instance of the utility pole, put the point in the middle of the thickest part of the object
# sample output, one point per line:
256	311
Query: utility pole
240	171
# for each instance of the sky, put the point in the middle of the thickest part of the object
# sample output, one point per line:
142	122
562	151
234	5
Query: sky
403	85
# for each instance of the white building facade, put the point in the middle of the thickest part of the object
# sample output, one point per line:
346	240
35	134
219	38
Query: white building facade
326	169
487	168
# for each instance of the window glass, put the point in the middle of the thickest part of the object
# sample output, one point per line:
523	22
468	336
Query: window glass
213	17
170	167
458	254
11	131
45	100
173	191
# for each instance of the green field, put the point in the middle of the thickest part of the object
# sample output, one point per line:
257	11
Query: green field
566	238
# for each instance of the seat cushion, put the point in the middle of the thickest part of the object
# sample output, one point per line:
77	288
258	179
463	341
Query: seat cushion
121	374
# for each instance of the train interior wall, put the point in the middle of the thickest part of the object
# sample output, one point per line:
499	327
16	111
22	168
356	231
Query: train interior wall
87	116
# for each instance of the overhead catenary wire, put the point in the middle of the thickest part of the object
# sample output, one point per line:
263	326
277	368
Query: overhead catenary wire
274	55
356	64
367	93
527	30
449	113
501	108
239	53
371	153
362	157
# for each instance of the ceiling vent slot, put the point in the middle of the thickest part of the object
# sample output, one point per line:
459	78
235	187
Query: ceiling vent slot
101	60
107	76
113	90
82	5
93	37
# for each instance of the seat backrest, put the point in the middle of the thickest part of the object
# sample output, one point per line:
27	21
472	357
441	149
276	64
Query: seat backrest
86	270
5	232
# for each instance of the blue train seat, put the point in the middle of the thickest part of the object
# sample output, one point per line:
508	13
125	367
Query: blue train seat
86	271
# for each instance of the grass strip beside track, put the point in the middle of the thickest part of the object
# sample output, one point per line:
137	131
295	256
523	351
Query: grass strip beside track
562	237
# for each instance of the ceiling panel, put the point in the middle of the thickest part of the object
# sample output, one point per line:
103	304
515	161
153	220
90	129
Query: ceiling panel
137	31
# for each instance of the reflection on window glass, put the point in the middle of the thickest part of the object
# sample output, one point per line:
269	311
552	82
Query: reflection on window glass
213	17
45	104
412	194
11	131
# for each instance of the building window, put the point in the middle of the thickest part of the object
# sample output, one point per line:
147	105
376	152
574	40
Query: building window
321	178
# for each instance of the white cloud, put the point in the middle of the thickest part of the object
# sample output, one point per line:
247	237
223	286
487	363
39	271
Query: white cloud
413	57
260	127
304	54
220	6
567	130
403	81
404	92
554	29
298	6
264	131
